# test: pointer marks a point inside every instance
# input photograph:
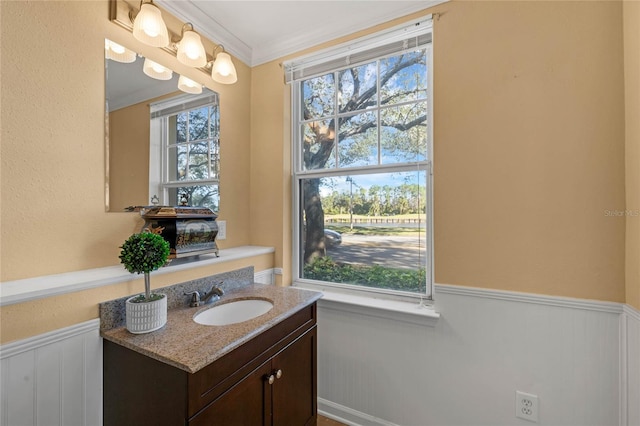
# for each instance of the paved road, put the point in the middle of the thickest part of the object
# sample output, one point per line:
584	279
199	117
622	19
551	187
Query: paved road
390	251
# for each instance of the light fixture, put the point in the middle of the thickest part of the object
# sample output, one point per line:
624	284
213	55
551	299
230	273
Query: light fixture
149	27
222	69
190	49
155	70
189	86
118	53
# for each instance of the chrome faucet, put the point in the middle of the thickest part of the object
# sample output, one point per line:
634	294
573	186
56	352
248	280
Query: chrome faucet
214	292
196	299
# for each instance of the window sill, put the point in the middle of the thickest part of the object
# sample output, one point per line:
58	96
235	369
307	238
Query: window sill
409	312
28	289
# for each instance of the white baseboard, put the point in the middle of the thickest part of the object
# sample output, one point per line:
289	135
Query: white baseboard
348	416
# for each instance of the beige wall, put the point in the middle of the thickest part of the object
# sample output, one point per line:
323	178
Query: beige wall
632	154
529	151
271	164
529	147
52	176
128	176
53	172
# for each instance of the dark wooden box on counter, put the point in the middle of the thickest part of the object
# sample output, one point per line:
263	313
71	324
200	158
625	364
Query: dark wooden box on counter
190	231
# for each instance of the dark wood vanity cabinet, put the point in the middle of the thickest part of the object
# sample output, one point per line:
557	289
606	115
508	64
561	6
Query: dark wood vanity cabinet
270	380
279	392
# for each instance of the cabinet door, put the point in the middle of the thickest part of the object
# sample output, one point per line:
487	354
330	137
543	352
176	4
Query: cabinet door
247	403
294	392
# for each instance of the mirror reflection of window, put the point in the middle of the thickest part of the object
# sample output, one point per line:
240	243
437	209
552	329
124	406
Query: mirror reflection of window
188	162
134	155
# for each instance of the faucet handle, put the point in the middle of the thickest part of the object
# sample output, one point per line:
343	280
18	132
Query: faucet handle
195	298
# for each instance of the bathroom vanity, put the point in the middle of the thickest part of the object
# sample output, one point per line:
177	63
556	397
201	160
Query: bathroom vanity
257	372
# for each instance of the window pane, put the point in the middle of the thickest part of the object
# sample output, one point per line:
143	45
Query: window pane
199	124
318	97
318	139
178	128
404	78
357	87
215	161
214	123
199	196
198	161
404	133
358	137
177	162
365	230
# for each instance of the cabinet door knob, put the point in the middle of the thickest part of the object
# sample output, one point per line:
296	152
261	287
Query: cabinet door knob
271	378
278	374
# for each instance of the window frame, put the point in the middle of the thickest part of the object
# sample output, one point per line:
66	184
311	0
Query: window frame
159	182
299	173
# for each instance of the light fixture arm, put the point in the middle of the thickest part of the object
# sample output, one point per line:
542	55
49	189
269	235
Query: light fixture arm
133	12
175	40
188	26
214	54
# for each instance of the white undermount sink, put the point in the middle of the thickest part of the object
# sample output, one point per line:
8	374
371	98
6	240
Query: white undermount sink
233	312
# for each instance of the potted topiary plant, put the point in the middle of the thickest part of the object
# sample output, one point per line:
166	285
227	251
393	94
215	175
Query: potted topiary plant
142	253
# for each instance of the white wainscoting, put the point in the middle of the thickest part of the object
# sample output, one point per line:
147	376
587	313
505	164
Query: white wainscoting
54	379
582	359
264	277
466	369
630	372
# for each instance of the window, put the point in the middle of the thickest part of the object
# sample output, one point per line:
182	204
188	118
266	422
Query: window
186	160
362	163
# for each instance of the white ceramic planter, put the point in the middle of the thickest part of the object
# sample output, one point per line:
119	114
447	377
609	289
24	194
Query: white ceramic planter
147	316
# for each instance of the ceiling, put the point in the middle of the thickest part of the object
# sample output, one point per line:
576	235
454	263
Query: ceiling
259	31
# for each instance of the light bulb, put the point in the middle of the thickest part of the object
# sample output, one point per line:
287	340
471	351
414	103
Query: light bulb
223	70
149	27
118	53
155	70
189	86
191	51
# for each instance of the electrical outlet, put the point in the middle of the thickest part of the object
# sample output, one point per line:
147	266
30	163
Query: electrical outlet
527	406
222	229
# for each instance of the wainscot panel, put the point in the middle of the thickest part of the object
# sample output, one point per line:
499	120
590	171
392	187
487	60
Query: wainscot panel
486	346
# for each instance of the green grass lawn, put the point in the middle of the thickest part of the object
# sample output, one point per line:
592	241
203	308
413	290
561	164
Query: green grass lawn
326	269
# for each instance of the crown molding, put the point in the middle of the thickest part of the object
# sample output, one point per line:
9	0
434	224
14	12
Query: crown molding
209	27
288	46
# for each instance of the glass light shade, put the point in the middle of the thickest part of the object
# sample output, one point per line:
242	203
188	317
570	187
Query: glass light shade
157	71
118	53
189	86
191	51
149	27
223	70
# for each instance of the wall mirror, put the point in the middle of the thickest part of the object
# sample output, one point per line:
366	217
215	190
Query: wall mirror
162	142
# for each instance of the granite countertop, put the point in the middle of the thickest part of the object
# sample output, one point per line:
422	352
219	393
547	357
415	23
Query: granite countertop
189	346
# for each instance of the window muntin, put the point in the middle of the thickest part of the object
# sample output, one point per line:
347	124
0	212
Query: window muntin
367	125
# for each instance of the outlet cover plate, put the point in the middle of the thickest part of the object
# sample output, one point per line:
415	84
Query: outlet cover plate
527	406
222	229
